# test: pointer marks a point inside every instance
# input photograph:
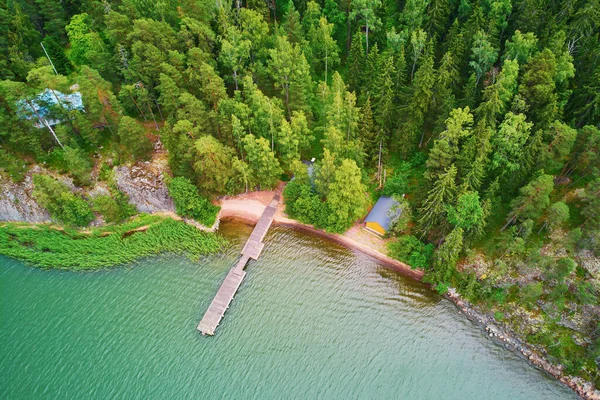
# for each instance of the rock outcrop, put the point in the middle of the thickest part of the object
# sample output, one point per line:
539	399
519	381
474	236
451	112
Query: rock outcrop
145	186
17	203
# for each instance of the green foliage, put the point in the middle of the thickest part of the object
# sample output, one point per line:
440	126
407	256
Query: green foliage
346	199
442	288
47	247
398	183
212	164
447	255
113	209
261	160
498	100
189	203
65	207
13	166
411	251
468	212
133	138
531	293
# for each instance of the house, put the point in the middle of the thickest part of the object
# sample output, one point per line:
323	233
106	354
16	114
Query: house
382	214
310	169
39	108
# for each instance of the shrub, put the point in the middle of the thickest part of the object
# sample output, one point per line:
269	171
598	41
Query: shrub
411	251
442	287
113	210
398	183
189	203
531	293
13	166
65	207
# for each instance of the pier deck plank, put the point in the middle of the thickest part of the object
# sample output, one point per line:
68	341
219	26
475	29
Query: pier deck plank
233	280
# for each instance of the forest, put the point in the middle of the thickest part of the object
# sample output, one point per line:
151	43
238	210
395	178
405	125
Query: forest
481	117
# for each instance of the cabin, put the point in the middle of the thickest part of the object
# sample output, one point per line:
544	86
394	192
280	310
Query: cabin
38	109
382	214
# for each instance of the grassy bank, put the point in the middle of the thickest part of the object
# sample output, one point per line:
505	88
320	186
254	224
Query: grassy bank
50	247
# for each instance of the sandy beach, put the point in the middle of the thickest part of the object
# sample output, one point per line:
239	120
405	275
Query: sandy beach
249	207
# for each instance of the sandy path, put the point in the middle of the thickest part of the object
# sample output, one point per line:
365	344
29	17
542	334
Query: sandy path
250	206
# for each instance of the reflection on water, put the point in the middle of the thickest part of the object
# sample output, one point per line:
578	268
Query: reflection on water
311	320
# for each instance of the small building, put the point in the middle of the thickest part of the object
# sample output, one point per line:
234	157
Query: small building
382	214
39	109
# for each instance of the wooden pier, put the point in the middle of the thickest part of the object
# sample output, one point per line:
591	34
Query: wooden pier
252	250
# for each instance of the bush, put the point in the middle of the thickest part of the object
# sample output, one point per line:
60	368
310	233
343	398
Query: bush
303	204
189	203
78	166
113	210
398	183
411	251
65	207
531	293
71	160
13	166
442	287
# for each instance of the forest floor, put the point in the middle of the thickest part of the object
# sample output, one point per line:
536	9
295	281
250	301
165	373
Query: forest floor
250	206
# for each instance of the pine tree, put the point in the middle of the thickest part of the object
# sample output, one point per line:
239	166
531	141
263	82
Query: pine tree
262	161
133	138
212	165
508	144
483	55
293	25
443	101
290	71
346	198
438	13
446	257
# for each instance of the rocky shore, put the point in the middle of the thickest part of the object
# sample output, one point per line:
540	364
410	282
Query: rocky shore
504	335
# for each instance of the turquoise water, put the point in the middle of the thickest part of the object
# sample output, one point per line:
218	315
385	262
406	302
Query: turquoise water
311	320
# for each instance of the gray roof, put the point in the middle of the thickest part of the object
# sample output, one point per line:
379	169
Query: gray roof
47	99
382	212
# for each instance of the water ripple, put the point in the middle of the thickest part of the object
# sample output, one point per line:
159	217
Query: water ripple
312	320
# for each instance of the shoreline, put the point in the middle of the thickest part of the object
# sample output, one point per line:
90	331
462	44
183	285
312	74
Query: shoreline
248	208
388	262
502	334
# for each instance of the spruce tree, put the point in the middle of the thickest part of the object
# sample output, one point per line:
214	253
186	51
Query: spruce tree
356	63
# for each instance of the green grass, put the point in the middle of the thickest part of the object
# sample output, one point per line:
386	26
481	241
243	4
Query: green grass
47	247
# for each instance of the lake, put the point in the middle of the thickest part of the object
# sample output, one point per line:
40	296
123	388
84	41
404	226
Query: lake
312	319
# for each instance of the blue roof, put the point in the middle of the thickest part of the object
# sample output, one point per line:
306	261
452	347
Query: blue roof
46	99
382	212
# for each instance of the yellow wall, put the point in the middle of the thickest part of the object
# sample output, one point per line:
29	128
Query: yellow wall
376	227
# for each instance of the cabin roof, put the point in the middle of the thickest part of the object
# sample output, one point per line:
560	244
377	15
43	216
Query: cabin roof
382	212
43	101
